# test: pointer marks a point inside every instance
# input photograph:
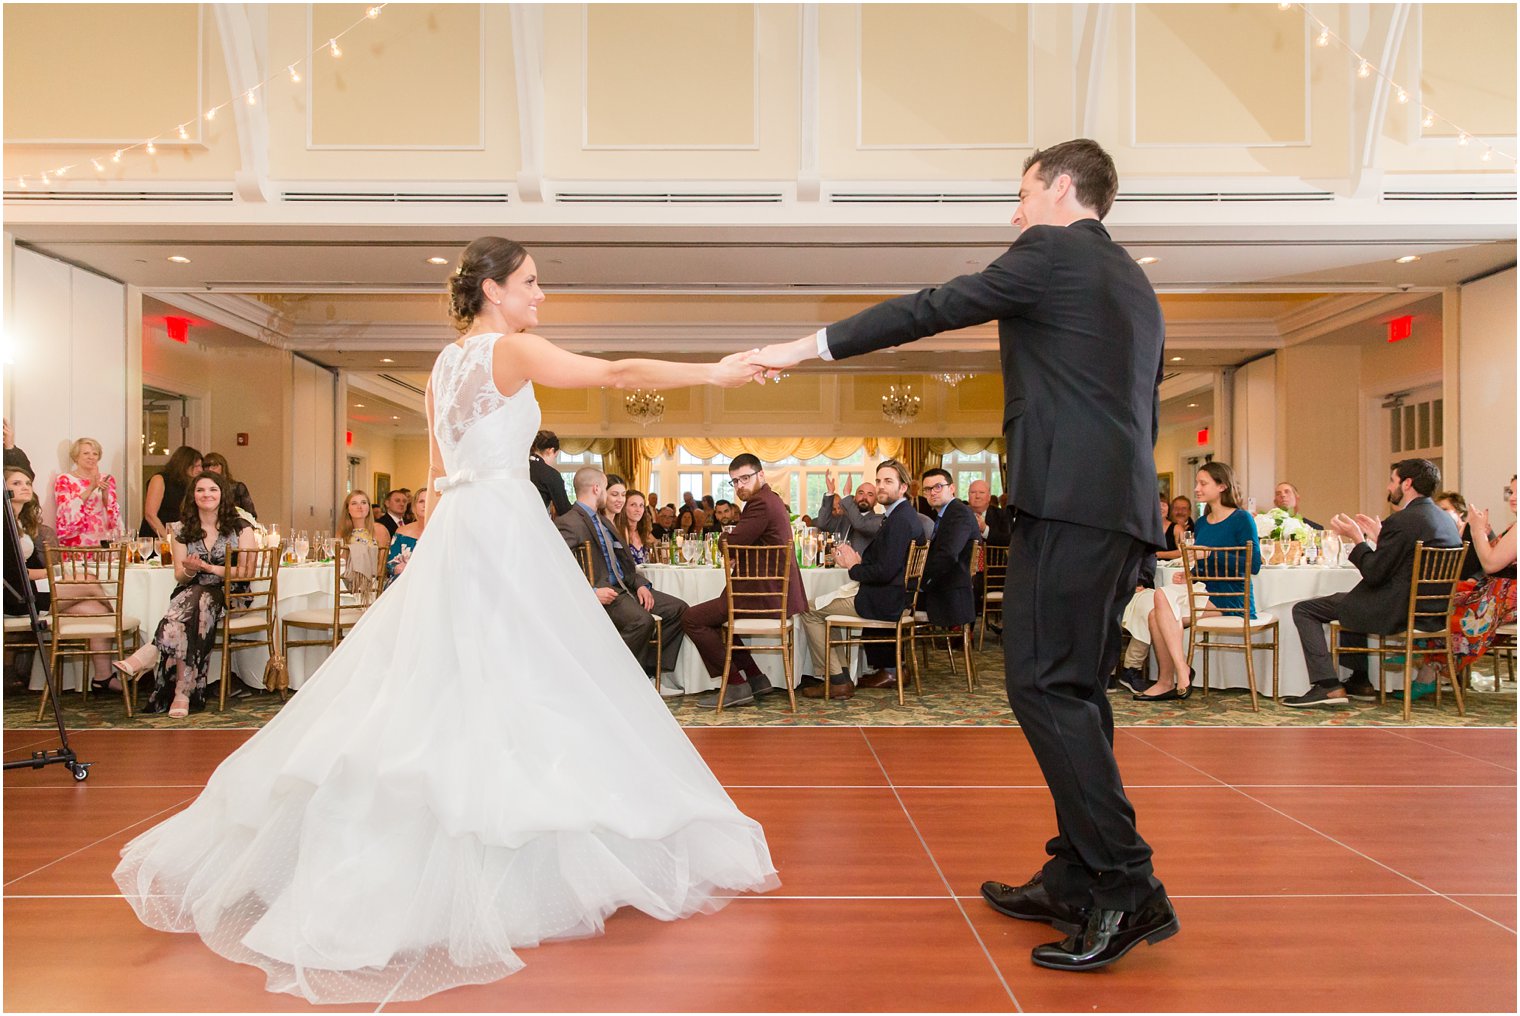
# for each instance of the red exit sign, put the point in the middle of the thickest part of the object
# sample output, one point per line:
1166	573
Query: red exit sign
1400	328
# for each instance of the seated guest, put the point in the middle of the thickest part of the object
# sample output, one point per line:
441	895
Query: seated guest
765	522
635	528
1455	505
216	462
689	500
1286	498
945	594
1225	524
724	513
186	636
709	505
86	509
405	539
1379	605
993	524
15	456
616	497
1179	525
167	490
398	510
852	520
881	596
368	544
686	522
36	537
1136	619
664	522
541	470
630	600
1483	601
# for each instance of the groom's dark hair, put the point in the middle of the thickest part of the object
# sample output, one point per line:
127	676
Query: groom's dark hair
1091	170
744	460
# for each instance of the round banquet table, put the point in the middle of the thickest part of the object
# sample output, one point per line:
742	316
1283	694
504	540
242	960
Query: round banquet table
145	593
1276	588
698	584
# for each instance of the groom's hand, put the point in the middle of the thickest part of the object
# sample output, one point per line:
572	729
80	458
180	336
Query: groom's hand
780	355
737	369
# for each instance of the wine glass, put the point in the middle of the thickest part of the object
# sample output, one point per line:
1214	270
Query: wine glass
690	550
302	547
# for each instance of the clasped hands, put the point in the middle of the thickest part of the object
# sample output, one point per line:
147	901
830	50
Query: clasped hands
1362	527
762	364
845	556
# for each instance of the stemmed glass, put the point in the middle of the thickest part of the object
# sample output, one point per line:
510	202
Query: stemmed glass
302	546
690	550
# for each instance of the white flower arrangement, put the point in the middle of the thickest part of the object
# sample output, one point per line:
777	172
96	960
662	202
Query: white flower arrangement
1278	524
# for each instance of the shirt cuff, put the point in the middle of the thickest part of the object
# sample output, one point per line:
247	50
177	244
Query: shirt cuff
823	344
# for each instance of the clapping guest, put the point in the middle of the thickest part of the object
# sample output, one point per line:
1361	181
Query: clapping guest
405	539
635	528
216	462
852	519
765	522
992	522
166	492
85	498
1483	602
1225	524
1455	505
186	636
15	456
1179	525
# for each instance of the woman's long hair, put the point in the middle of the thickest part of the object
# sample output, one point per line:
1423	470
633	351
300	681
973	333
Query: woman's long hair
190	528
178	466
687	520
646	524
346	521
218	459
1223	475
30	515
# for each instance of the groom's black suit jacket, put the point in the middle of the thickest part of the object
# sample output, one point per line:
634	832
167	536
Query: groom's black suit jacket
1079	374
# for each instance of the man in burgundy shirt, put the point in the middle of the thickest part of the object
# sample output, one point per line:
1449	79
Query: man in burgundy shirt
765	522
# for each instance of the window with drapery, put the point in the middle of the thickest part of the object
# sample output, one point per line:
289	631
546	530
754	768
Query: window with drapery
969	466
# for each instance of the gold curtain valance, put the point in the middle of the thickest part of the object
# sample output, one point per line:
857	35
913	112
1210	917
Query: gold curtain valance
769	449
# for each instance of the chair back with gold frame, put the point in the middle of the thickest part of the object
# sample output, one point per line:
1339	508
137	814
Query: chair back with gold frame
347	608
1207	619
1435	574
252	585
78	576
759	582
583	558
991	577
895	632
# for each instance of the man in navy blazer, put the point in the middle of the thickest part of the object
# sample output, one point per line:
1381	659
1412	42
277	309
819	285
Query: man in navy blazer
1081	336
946	592
882	595
1379	605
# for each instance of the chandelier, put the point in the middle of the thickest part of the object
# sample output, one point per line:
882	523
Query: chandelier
900	405
645	407
952	379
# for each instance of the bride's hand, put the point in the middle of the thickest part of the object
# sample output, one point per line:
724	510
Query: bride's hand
734	370
780	355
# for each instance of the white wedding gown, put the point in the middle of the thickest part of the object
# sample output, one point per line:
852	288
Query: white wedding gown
480	766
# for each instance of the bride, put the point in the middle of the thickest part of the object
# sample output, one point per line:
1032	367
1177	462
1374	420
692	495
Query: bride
481	765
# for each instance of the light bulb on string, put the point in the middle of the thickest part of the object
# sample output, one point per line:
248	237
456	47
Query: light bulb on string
116	155
60	170
1488	154
211	114
152	149
1429	119
184	135
332	47
21	182
1403	97
372	13
1364	70
98	167
1324	37
45	180
1283	7
251	98
1462	138
295	78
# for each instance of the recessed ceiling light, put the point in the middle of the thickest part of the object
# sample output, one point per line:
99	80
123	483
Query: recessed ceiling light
358	405
1406	259
395	418
1192	405
179	260
436	261
386	359
1146	260
1176	359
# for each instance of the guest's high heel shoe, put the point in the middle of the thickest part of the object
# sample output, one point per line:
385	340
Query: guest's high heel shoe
130	668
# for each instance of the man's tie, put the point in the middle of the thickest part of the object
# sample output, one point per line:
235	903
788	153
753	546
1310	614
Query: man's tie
613	568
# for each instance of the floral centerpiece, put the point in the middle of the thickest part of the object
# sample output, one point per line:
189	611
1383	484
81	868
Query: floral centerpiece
1279	524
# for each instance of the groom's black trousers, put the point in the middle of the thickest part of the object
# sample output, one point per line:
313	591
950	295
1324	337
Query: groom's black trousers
1067	588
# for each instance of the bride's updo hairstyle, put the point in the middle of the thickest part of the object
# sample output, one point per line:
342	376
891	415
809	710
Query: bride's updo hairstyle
488	257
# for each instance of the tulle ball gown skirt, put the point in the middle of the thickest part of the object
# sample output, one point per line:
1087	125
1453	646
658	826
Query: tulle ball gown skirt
479	767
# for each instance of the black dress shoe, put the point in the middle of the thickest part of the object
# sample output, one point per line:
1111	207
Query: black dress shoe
1031	902
1108	935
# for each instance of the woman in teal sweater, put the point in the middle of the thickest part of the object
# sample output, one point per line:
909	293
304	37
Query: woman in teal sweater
1225	524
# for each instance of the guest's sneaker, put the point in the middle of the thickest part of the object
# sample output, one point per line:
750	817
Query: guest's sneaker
1318	695
760	685
739	694
1134	679
1362	691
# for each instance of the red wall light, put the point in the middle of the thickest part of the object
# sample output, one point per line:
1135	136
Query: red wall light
1203	436
178	328
1400	328
348	437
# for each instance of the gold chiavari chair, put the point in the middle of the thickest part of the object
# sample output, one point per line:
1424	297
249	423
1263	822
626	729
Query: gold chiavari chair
1208	621
347	609
1432	592
77	575
898	631
253	578
992	577
759	579
584	559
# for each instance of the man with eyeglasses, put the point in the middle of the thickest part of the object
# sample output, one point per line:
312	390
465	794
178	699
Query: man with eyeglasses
764	522
945	594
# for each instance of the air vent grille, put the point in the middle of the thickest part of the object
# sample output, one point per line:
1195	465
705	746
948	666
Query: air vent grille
398	197
669	198
1215	197
1448	195
32	196
393	379
863	198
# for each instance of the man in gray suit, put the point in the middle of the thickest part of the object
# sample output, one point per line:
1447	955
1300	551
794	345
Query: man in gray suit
852	520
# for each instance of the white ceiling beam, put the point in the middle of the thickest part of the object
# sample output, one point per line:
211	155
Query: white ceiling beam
241	46
1092	48
1380	46
809	186
528	64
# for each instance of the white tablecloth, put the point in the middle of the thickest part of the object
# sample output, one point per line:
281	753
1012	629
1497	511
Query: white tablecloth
698	585
145	595
1276	588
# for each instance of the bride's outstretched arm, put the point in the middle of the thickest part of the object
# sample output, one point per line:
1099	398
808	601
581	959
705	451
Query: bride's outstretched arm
528	357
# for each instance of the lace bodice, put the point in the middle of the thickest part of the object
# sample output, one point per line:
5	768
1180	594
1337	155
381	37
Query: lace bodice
477	427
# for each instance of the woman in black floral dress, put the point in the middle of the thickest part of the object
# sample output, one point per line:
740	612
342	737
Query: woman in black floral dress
186	636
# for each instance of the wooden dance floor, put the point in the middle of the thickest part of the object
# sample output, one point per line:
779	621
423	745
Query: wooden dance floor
1312	869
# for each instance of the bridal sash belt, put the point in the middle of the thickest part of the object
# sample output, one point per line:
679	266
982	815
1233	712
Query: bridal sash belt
465	476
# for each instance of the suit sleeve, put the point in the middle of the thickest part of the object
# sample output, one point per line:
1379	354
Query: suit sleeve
956	530
569	530
752	524
1009	287
883	560
864	522
1395	551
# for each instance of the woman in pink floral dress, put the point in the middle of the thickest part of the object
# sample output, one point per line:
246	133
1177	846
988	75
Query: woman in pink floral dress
85	498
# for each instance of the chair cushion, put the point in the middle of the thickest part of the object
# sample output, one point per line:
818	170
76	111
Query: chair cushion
251	622
1507	629
996	594
851	621
1231	622
75	626
756	626
921	616
19	623
322	617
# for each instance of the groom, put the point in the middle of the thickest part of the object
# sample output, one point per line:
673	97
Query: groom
1081	340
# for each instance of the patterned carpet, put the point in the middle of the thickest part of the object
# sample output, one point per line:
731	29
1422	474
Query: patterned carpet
945	703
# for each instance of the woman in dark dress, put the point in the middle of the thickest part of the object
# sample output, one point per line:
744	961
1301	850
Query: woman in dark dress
166	492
